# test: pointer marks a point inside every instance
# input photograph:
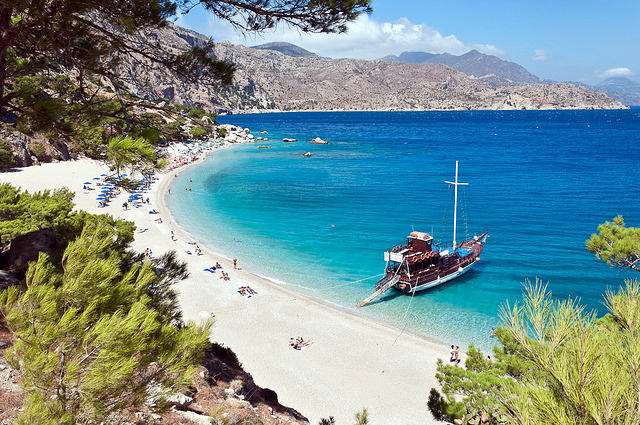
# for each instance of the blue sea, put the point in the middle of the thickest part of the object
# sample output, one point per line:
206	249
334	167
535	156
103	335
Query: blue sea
539	181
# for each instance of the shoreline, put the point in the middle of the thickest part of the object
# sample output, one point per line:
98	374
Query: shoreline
278	111
286	287
353	362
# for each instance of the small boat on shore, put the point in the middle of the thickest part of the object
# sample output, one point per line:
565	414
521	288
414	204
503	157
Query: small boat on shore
420	264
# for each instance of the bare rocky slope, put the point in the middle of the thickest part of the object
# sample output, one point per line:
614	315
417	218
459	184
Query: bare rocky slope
270	80
488	68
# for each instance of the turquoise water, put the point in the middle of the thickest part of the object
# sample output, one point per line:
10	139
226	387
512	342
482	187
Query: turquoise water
540	183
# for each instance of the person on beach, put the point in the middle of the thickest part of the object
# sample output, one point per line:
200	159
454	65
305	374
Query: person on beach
235	263
173	237
452	355
492	333
457	352
488	359
218	266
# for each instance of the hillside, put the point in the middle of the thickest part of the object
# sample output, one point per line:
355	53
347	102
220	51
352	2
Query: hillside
620	88
488	68
270	80
285	48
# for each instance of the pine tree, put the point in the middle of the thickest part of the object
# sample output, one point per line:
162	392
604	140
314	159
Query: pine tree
616	244
88	338
587	369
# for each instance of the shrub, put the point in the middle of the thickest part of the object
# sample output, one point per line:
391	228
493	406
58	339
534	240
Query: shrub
197	132
222	131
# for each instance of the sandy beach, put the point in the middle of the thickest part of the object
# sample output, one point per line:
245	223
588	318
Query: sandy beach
352	362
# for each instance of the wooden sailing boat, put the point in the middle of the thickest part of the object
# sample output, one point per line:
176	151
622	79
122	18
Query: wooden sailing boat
420	265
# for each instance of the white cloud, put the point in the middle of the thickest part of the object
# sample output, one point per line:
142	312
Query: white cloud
616	72
539	55
366	38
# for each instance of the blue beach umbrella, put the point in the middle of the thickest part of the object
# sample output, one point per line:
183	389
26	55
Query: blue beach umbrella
103	174
96	178
86	183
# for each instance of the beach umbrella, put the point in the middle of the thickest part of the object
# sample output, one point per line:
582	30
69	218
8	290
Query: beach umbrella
103	174
96	178
86	183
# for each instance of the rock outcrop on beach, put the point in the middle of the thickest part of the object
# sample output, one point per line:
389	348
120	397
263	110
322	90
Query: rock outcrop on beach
270	80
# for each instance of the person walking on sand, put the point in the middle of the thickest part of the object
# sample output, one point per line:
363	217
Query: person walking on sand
457	352
452	354
235	263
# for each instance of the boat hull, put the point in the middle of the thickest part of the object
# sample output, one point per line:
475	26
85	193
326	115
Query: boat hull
438	281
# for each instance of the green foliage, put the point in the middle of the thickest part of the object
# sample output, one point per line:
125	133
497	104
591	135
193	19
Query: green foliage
616	244
88	338
38	150
134	154
556	363
6	154
437	405
222	131
197	132
584	371
362	417
22	212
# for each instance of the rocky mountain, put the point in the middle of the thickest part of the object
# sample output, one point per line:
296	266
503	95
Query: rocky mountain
285	48
622	89
488	68
267	79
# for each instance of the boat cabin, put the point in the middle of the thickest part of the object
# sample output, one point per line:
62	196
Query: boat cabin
419	241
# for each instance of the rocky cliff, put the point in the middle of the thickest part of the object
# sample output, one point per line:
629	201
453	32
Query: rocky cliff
271	80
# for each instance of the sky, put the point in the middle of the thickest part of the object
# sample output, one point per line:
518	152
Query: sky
562	40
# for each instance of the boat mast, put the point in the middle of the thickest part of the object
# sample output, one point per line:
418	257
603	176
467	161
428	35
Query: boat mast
455	204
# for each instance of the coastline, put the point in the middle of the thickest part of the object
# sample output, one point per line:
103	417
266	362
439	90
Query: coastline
282	285
278	111
353	362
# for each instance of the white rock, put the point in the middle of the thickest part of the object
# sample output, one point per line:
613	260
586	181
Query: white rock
236	385
179	400
238	404
195	417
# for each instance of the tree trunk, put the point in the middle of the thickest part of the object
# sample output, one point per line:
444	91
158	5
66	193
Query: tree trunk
5	20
